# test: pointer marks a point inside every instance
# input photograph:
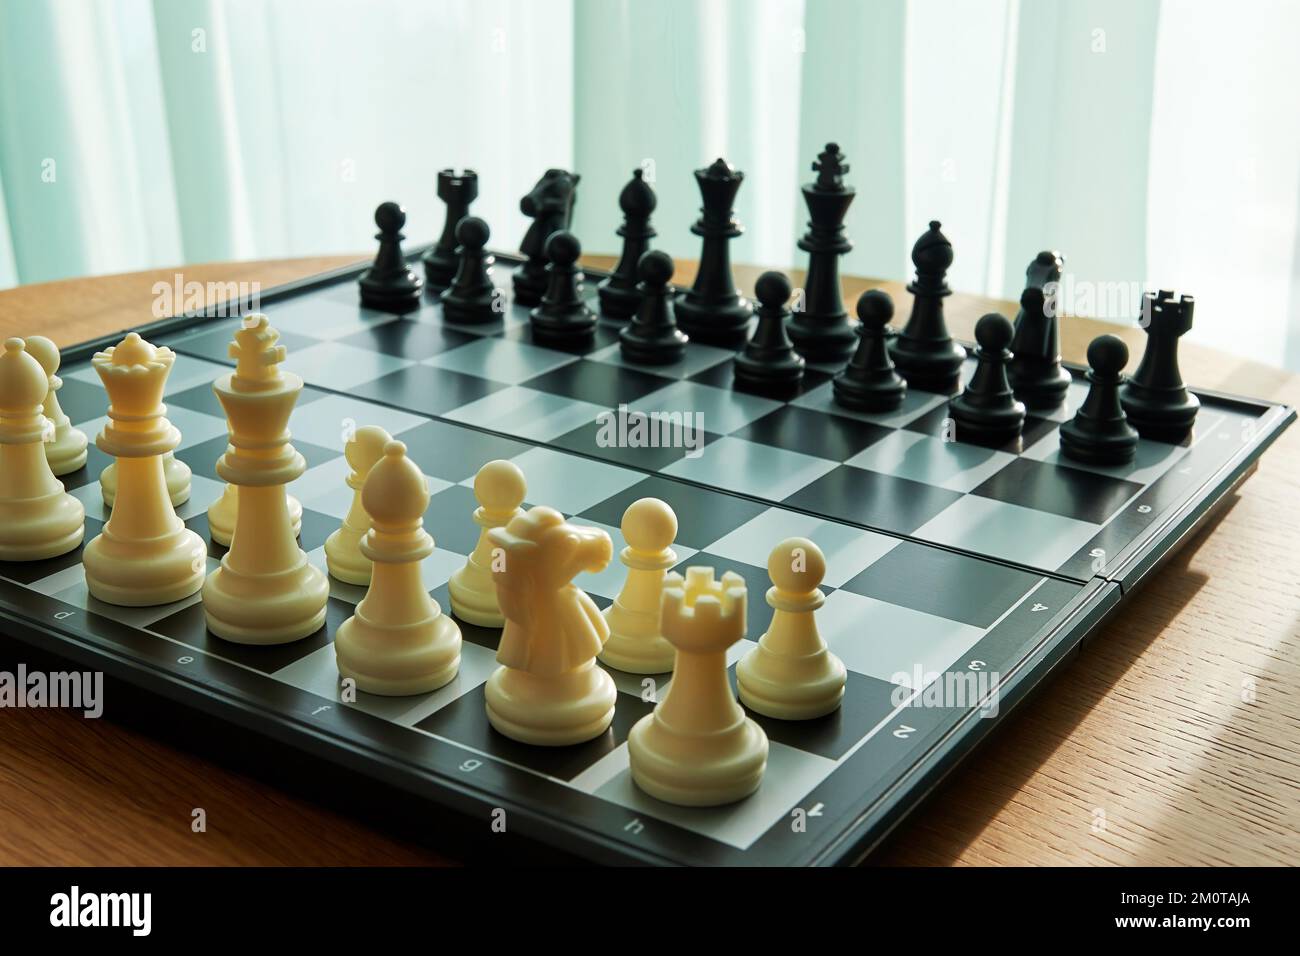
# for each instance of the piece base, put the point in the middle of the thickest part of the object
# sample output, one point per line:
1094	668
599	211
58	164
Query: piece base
1089	450
370	656
473	606
1043	394
700	782
66	459
42	550
827	338
724	323
616	302
884	397
514	707
115	575
634	654
294	610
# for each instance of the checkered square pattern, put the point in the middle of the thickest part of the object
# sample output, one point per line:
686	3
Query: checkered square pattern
939	553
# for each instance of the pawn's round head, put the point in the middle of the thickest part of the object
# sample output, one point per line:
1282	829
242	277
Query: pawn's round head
655	268
649	525
500	486
472	232
773	290
366	446
563	248
1107	354
390	217
395	492
993	332
23	383
875	309
45	352
796	565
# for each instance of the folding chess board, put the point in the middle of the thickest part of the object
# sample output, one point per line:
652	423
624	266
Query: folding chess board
948	565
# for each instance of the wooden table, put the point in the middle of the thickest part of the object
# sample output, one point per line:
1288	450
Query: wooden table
1148	724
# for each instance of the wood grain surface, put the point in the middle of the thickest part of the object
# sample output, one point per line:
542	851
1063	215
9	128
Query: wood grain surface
1149	748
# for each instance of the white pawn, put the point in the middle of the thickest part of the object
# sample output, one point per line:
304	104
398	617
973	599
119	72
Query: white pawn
38	519
698	749
635	643
499	487
175	472
223	511
66	449
791	674
398	642
343	554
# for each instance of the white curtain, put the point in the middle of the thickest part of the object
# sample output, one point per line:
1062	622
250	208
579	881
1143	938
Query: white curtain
1154	142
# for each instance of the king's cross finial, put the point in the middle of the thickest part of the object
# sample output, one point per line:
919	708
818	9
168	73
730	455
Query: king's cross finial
256	354
830	168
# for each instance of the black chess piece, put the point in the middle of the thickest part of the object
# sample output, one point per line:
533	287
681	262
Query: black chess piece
820	331
769	364
471	298
652	337
1155	399
457	190
712	311
870	383
563	315
1035	373
619	292
389	285
987	413
924	352
1099	433
550	206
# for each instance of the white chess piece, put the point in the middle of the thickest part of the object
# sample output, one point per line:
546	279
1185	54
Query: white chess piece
343	551
66	448
791	674
175	472
38	519
548	689
265	592
635	644
499	487
698	749
398	642
145	555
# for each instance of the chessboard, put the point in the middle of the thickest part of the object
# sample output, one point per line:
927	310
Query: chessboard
950	566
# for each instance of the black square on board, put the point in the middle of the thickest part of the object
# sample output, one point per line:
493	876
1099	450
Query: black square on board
427	390
454	452
408	339
465	721
585	437
873	499
813	433
943	583
703	515
82	401
189	626
606	385
867	701
1059	489
28	572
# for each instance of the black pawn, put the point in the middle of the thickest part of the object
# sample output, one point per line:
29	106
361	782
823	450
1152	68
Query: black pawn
619	293
1155	399
652	337
457	190
471	297
987	412
1035	372
769	363
388	285
820	330
712	311
869	383
550	207
563	316
1099	433
924	352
